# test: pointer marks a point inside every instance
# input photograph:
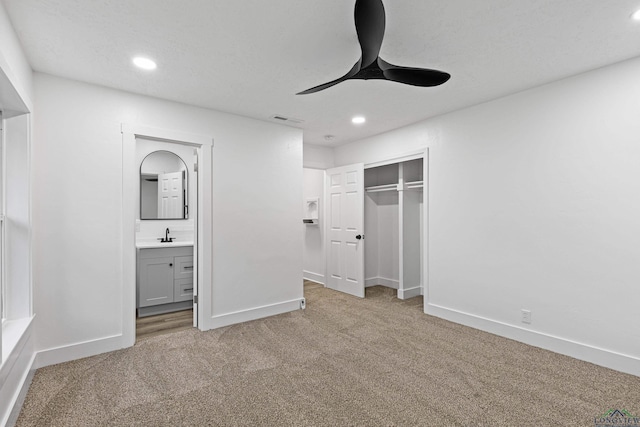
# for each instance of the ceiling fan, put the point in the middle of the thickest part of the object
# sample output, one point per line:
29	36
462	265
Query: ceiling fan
370	23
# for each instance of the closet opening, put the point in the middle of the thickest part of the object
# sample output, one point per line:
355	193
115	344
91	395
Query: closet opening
394	227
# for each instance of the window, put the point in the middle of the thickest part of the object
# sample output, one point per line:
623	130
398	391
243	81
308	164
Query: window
3	309
15	229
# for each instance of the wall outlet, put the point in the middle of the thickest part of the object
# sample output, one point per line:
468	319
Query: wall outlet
526	316
303	304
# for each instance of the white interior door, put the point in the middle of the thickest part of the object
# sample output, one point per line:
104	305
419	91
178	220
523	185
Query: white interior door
345	227
170	195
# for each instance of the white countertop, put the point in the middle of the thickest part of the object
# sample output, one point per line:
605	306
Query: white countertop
147	244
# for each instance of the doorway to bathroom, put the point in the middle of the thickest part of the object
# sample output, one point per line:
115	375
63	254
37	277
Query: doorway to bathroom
165	229
166	222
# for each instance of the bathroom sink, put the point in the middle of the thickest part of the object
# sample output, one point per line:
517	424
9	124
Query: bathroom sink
144	244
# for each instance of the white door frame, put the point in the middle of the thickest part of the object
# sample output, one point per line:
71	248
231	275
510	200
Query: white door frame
204	228
425	228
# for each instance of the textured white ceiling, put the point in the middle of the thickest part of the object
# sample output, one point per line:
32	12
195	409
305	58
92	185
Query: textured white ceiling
250	57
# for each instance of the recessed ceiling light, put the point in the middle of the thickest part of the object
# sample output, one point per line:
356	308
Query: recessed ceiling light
358	120
636	15
144	63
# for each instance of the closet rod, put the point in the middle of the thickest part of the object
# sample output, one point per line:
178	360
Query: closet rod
414	184
379	188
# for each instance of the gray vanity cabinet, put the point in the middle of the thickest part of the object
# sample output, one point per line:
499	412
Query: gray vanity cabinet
183	275
165	276
183	290
156	281
183	267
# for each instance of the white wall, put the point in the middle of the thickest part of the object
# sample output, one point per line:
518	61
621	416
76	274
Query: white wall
313	235
382	241
371	241
533	205
257	187
318	157
315	160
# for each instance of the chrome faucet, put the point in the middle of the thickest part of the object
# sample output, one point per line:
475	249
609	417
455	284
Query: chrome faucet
166	239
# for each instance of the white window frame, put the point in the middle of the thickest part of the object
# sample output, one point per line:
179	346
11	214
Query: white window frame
3	291
3	308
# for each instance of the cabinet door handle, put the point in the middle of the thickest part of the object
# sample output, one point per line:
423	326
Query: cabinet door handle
170	264
188	267
189	290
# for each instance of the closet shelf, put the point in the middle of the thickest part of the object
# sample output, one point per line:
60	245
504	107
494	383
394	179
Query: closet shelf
378	188
414	185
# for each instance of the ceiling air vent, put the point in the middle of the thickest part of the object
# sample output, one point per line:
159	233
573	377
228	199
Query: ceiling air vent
282	118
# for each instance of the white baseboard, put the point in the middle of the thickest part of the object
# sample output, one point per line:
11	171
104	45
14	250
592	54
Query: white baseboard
22	395
409	293
374	281
598	356
253	313
70	352
66	353
314	277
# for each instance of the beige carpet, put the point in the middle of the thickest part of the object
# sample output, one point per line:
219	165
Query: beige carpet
341	362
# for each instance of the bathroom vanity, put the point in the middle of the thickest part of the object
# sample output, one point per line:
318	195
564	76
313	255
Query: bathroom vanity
165	277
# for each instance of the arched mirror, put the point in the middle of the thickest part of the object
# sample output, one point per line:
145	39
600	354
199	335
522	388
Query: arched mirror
163	187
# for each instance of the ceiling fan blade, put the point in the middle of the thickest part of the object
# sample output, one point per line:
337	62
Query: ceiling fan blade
352	72
370	23
423	77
